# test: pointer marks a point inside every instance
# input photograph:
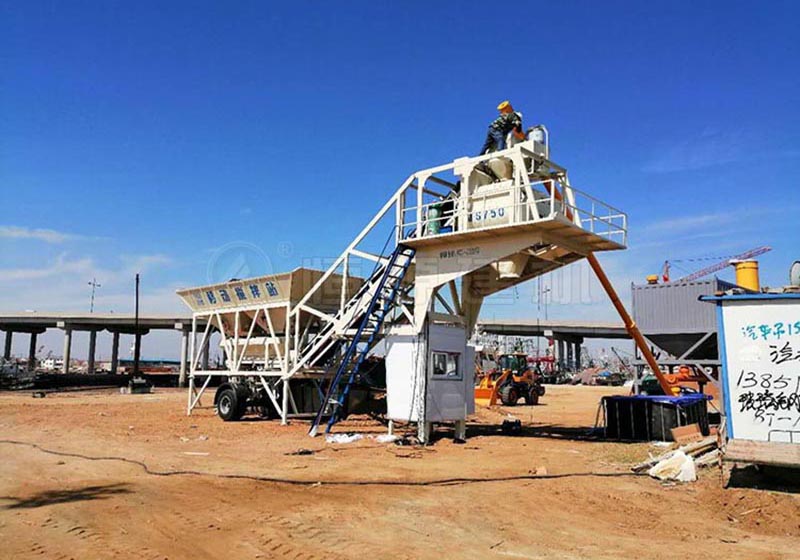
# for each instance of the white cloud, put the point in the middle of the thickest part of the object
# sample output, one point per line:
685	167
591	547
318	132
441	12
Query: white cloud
59	268
713	148
46	235
689	223
143	263
61	285
698	152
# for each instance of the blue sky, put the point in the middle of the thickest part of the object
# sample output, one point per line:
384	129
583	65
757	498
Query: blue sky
160	136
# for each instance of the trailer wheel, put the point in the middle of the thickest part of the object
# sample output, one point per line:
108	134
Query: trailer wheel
509	395
229	407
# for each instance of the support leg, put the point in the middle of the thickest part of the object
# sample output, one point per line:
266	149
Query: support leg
285	403
190	395
461	431
424	432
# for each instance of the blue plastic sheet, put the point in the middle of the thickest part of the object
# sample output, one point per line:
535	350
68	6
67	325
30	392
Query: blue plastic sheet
682	400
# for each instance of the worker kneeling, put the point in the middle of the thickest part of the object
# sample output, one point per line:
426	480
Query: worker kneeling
508	121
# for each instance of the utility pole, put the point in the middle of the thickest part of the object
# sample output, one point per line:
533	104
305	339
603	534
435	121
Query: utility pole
542	292
545	293
137	336
538	311
94	286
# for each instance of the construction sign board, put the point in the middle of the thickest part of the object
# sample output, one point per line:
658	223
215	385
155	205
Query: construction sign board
759	336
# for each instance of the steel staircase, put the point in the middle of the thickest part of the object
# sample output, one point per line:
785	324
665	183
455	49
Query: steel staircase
389	279
333	333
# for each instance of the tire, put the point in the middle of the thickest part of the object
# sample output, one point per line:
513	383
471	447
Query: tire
229	405
509	395
532	398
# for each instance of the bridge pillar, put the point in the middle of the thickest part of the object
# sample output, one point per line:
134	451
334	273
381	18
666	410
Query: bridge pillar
560	350
67	349
137	351
569	355
32	353
184	357
7	349
92	349
578	355
115	352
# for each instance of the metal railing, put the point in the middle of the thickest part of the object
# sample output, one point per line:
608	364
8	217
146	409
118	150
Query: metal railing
504	204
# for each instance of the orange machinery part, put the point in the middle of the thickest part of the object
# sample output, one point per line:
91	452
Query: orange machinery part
630	325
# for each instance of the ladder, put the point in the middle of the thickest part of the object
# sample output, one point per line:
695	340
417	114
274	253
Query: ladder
364	338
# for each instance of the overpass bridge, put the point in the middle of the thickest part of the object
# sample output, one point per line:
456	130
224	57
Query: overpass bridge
34	323
567	335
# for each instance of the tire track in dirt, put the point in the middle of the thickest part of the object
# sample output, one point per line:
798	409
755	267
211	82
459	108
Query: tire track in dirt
91	541
273	542
269	533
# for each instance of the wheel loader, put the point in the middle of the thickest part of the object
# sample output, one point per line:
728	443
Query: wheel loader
508	379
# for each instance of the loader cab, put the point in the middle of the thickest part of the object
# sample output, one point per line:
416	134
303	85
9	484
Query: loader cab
516	363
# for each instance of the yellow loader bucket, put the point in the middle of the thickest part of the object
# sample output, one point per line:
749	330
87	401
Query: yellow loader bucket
483	396
486	391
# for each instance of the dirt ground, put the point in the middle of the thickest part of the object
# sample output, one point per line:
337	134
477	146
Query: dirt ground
104	475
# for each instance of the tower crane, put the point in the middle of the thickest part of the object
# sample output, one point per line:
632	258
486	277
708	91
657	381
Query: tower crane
717	266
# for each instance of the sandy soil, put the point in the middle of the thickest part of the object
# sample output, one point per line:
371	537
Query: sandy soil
103	475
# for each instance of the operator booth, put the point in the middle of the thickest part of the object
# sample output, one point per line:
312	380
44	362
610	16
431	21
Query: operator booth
436	366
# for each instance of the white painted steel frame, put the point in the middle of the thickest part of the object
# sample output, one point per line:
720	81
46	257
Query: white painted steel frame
235	354
422	189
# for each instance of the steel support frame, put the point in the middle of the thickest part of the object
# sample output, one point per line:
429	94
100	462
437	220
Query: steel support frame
235	353
415	194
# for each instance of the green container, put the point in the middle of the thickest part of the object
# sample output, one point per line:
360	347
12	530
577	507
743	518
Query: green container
434	219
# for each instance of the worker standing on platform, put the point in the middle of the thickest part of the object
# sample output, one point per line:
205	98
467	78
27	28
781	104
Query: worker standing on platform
508	121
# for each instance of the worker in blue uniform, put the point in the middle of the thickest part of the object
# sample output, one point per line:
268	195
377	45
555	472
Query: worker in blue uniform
508	121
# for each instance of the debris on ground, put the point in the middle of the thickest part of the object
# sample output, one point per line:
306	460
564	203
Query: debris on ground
353	437
680	464
301	451
343	438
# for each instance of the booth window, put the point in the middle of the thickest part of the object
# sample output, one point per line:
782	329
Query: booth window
445	364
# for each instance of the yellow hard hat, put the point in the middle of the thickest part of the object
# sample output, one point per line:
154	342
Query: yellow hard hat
504	105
